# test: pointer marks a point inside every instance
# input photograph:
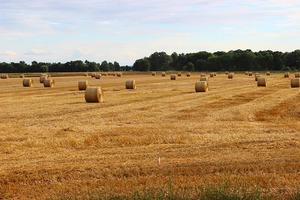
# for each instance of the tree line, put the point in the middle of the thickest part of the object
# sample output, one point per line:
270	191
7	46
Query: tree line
237	60
71	66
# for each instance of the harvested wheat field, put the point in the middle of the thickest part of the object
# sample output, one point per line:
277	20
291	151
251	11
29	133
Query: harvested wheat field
54	144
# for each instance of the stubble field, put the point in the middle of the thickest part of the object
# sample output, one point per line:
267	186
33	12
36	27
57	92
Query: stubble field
53	143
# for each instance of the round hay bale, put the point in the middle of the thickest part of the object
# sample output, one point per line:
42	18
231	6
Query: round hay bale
246	73
97	76
22	76
43	78
201	86
4	76
295	82
286	75
27	82
188	74
297	75
179	74
49	83
230	76
268	73
163	74
173	76
202	75
215	73
250	73
93	95
93	74
226	72
130	84
203	79
153	73
211	75
261	82
256	76
82	85
119	74
85	74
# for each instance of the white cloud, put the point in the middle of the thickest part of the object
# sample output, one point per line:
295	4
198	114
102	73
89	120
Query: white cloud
36	52
9	53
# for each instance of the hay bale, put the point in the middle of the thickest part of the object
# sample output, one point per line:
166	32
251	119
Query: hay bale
82	85
4	76
43	78
201	86
203	79
211	75
173	76
163	74
256	76
21	76
268	73
93	95
226	73
179	74
27	82
85	74
188	74
230	76
153	73
297	75
215	73
250	73
202	75
246	73
93	74
261	82
130	84
286	75
97	76
119	74
295	82
49	83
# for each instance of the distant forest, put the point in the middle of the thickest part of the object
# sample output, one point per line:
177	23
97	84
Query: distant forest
237	60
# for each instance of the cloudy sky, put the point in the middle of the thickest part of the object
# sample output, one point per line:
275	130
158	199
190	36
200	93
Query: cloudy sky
126	30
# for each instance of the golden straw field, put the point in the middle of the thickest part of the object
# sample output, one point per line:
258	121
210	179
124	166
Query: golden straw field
53	143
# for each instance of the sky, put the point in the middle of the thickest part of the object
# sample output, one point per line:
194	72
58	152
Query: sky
127	30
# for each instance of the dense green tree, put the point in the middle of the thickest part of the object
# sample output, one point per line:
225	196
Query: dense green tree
292	59
201	65
117	66
104	66
189	67
141	65
160	61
